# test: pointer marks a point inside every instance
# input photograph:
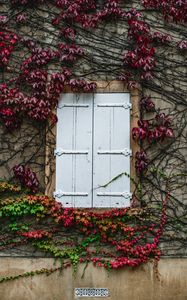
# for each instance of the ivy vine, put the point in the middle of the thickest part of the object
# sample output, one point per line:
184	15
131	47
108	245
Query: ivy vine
47	47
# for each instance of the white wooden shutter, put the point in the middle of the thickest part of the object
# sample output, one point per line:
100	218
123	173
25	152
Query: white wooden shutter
74	150
111	150
93	150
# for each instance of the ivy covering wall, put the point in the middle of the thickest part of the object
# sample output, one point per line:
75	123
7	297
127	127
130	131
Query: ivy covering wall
49	46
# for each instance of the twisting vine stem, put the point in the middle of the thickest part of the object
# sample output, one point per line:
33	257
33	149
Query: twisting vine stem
47	46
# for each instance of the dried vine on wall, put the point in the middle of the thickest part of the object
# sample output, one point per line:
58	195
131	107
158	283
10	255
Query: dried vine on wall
49	45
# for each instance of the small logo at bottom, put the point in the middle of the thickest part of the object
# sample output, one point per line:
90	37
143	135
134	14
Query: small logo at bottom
91	292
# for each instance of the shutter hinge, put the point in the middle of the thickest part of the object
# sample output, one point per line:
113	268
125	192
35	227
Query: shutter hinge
74	105
61	151
126	195
125	151
60	193
125	105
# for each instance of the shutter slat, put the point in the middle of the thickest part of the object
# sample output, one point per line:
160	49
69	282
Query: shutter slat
74	150
111	145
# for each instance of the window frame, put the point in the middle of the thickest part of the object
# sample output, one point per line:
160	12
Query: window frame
51	131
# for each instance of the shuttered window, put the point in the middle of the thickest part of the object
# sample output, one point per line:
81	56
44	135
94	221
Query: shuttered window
93	150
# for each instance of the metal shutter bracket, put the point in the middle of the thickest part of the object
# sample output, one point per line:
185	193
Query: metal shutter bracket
126	195
125	105
74	105
126	152
60	151
60	194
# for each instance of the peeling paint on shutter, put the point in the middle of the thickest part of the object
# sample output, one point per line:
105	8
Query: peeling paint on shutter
93	148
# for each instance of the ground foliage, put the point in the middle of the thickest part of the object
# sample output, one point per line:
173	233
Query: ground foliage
49	46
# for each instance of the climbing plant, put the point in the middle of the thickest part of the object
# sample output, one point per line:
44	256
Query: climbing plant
49	46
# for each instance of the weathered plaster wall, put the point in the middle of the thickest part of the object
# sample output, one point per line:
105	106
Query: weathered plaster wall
126	284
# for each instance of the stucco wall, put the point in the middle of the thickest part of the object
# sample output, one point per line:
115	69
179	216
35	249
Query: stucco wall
126	284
